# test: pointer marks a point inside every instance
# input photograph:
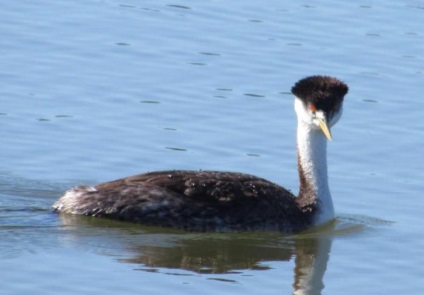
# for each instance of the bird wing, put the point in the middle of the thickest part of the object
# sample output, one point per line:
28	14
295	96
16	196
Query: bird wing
207	186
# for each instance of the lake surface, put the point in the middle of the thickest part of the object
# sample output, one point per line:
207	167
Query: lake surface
93	91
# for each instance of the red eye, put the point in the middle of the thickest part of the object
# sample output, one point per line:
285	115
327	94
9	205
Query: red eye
312	108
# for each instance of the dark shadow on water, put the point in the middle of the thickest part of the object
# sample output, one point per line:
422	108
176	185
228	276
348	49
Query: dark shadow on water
169	251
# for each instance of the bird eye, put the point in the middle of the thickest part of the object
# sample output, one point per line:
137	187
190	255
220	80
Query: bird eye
312	108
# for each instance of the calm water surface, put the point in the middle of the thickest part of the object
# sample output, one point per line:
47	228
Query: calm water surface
97	90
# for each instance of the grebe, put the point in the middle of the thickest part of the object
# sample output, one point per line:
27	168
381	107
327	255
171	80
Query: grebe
230	201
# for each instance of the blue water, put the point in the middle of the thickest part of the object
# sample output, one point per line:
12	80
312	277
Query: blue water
92	91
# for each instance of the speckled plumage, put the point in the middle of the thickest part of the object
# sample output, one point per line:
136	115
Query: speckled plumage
191	200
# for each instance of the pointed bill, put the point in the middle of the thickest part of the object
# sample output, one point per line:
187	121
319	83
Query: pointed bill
325	129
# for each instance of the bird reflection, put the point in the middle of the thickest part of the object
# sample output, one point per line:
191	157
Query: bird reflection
157	248
211	255
311	261
311	255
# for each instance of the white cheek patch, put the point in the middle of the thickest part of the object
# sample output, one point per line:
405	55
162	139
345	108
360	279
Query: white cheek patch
319	115
304	114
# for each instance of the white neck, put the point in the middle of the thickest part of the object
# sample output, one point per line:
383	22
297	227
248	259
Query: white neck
312	161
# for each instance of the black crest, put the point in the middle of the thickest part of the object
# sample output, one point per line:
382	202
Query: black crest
324	92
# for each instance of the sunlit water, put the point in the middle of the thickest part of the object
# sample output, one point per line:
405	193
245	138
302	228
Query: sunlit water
97	90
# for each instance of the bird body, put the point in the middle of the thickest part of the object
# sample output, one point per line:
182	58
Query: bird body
190	200
229	201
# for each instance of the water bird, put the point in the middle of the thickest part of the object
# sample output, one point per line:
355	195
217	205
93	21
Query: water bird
230	201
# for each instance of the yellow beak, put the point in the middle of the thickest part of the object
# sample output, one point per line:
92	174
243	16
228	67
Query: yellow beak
325	129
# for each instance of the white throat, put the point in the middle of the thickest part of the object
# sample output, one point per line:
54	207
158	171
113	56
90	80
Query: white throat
312	157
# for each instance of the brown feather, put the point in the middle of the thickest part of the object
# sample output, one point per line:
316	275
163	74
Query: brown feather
194	200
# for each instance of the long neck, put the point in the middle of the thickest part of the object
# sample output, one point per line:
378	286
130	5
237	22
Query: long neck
314	192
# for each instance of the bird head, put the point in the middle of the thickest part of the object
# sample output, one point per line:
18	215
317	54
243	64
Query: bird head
319	102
